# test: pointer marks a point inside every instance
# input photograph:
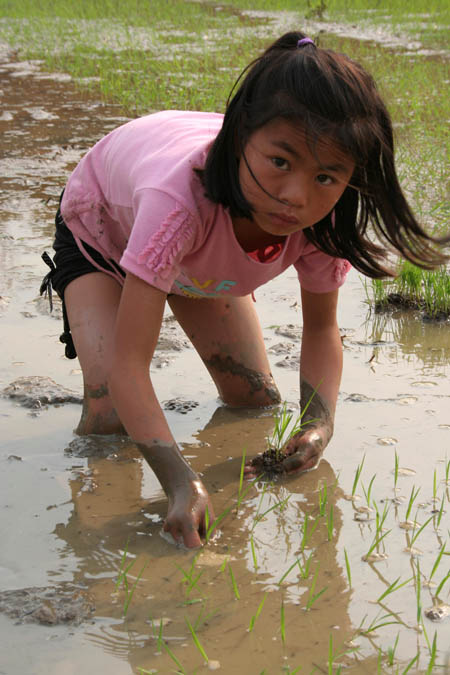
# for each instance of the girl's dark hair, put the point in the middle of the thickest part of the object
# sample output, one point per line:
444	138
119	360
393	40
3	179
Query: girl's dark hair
333	98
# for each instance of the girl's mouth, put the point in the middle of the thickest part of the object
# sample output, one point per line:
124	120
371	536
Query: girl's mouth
283	219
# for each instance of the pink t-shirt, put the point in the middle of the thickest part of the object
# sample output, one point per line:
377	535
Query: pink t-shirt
135	198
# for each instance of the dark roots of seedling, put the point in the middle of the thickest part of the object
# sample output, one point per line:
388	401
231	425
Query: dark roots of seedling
269	464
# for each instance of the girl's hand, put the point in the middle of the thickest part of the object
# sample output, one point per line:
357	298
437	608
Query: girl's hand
190	513
301	453
305	449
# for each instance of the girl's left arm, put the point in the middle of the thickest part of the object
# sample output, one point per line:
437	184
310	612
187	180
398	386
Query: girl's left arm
320	376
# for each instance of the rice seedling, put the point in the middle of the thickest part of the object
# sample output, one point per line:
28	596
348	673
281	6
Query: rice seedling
233	583
347	567
433	650
189	579
330	655
122	570
437	561
202	617
393	587
304	571
369	490
376	623
283	419
390	652
241	481
197	642
215	524
411	663
281	504
380	518
416	534
396	464
270	462
312	597
376	542
441	584
330	525
289	569
257	613
323	498
174	659
357	476
160	645
307	533
412	499
157	635
282	623
418	593
122	579
253	550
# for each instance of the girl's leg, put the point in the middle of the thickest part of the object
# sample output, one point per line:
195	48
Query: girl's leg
227	335
91	302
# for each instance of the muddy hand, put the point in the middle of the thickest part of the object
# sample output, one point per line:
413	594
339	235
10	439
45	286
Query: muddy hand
305	449
189	502
189	513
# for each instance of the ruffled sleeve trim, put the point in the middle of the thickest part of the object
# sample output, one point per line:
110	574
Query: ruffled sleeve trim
163	247
341	268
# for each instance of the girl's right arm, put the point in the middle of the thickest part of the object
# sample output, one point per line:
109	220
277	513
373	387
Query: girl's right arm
136	333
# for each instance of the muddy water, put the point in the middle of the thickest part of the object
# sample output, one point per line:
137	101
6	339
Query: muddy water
69	507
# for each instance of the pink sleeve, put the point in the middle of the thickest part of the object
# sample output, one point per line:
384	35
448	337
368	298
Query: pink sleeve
319	272
162	234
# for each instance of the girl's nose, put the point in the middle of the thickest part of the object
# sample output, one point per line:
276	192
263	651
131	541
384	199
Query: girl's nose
294	193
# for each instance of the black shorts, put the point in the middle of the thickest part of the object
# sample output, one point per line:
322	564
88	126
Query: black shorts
68	264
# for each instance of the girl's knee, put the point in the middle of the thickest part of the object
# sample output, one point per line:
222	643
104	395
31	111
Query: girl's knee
242	387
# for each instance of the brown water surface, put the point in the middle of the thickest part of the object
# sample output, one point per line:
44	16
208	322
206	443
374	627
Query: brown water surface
69	507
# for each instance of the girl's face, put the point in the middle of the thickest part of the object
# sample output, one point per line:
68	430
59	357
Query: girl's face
294	188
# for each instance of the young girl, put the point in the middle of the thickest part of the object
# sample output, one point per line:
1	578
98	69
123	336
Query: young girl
198	209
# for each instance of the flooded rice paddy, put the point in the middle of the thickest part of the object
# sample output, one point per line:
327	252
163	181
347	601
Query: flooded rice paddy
317	571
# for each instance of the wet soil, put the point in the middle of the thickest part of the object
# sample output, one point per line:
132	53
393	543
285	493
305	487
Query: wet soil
64	604
269	464
38	391
395	301
72	509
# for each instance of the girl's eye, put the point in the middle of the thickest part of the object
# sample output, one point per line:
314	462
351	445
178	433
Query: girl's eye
324	179
280	163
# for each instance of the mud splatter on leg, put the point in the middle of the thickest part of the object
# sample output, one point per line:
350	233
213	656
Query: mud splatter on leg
251	388
98	415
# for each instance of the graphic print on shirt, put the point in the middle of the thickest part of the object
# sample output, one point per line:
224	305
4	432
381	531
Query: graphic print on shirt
198	289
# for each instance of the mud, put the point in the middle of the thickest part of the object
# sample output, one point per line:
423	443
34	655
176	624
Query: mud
108	447
37	391
438	613
395	301
74	511
65	604
255	380
180	406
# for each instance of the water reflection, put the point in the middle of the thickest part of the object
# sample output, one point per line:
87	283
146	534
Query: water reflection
410	337
281	522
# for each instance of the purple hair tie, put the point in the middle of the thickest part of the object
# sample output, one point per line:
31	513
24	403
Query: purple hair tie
305	41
